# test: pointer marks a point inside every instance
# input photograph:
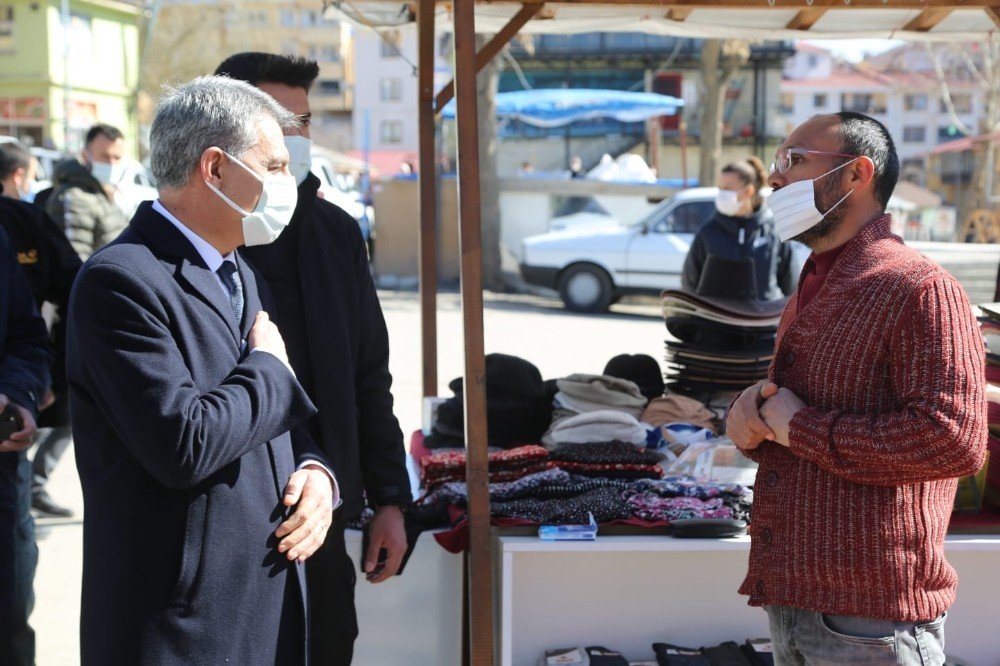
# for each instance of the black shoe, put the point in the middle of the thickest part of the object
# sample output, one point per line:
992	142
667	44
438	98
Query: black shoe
41	502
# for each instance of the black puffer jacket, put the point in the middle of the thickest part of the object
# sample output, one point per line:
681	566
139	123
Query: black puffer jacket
738	238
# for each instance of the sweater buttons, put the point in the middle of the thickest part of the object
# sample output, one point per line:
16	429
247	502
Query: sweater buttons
771	480
789	358
759	588
764	537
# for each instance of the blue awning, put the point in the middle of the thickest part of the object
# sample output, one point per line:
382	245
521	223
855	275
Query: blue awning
557	107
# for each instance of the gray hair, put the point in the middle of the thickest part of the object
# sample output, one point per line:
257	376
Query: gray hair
210	111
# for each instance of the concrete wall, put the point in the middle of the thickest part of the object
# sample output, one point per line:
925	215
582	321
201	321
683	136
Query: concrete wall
396	246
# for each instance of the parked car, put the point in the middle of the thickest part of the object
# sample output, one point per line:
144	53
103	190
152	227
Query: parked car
340	189
594	267
135	186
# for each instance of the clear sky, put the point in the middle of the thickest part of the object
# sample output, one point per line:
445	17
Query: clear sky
853	49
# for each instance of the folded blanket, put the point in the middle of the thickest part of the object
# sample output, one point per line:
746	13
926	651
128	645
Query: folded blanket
613	452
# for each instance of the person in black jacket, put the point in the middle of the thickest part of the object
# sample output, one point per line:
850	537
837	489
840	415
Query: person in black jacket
24	377
51	265
741	232
329	314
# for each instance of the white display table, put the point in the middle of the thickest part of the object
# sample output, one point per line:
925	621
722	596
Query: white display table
627	592
413	619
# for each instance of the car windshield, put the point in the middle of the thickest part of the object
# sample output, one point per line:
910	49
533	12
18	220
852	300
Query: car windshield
654	215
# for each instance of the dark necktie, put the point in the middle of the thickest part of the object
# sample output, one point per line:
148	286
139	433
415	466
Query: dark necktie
231	278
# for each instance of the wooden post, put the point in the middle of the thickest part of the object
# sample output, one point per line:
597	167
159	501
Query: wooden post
427	257
470	242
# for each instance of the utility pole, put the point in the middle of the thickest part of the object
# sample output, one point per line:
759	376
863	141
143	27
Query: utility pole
65	19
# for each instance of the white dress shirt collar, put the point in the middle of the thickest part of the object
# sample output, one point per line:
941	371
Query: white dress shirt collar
212	257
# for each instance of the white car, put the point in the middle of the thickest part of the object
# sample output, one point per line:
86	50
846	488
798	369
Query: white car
594	267
341	190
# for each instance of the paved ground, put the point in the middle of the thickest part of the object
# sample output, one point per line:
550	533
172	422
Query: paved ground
539	330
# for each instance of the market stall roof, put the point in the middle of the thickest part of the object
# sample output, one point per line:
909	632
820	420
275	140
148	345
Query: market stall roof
937	20
557	107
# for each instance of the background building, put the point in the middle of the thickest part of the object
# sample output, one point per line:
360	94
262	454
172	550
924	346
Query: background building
191	37
59	74
898	87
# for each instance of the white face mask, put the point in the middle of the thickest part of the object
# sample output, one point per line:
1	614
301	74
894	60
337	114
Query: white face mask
299	156
727	202
107	173
274	209
794	206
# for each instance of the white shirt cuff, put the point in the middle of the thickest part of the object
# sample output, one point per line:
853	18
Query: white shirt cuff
285	363
337	500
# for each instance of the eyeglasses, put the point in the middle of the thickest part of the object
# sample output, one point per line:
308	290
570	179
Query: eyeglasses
785	159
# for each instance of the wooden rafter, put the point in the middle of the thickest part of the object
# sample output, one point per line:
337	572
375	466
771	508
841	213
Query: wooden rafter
806	18
994	13
495	45
679	13
755	4
927	19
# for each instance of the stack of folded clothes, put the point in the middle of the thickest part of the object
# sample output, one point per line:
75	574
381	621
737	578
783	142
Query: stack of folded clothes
518	409
439	468
594	408
610	460
718	344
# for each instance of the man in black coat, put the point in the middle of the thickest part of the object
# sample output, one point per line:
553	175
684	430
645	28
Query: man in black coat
24	377
51	265
183	400
329	313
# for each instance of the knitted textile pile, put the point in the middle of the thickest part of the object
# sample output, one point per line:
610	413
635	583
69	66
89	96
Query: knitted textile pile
444	466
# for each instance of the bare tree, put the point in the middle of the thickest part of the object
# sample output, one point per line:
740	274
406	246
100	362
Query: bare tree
981	62
188	39
720	61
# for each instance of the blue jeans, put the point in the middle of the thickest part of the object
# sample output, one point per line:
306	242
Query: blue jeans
18	557
808	638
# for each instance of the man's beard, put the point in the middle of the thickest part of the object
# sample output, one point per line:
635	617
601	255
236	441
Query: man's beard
826	198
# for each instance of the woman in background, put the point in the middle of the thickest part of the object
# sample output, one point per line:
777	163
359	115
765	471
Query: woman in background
741	235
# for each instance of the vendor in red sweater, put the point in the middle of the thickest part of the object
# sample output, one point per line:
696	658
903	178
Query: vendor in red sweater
874	407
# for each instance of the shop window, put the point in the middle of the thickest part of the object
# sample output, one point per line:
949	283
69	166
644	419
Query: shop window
390	90
391	44
915	102
7	29
329	87
914	134
819	101
962	103
287	18
390	131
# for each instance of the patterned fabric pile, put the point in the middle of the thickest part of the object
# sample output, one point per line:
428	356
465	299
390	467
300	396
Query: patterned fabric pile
612	480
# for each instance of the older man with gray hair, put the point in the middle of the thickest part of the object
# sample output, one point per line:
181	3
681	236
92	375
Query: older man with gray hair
203	494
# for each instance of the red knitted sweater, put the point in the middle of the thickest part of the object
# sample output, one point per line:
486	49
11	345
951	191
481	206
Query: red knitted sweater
851	518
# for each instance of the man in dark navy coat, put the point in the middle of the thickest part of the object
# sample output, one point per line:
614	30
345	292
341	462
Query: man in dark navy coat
196	520
329	313
24	378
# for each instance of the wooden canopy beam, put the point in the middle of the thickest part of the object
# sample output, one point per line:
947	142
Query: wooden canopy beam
470	238
679	13
751	4
427	234
994	13
927	19
488	52
806	19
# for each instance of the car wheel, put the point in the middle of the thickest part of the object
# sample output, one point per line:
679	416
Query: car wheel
586	288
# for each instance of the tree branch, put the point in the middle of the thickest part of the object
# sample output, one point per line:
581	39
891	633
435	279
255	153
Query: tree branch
946	92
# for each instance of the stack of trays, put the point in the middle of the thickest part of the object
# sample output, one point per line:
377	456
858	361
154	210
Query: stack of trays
717	344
